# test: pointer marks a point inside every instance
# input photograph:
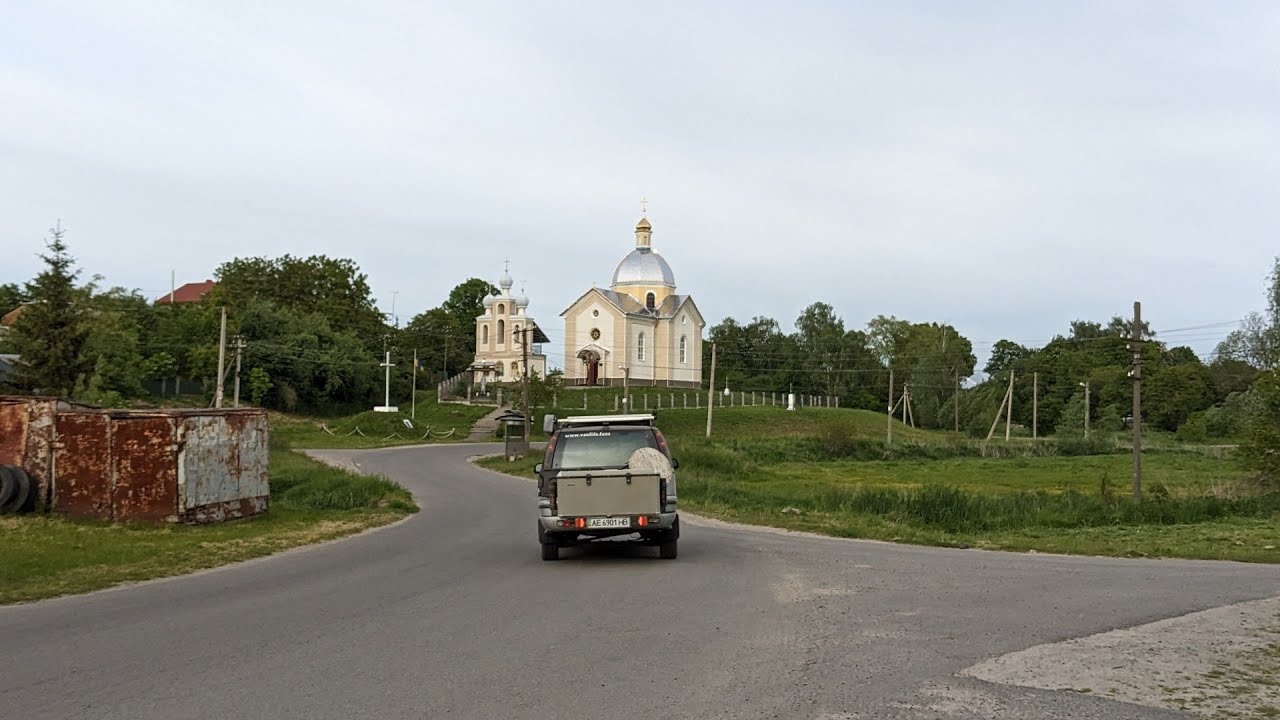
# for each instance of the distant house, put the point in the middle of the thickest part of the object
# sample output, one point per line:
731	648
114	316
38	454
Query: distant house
9	318
189	293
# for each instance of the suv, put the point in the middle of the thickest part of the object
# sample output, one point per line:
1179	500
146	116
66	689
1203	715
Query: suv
606	476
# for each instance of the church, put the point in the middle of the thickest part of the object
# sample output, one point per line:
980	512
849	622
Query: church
499	338
639	328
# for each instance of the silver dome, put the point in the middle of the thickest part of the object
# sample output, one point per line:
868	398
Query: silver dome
643	266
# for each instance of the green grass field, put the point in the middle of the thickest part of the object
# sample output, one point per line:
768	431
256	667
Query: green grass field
830	471
47	556
374	430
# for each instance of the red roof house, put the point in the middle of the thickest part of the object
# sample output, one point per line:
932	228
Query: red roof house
189	293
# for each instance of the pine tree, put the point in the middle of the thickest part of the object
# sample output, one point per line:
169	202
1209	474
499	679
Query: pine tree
49	335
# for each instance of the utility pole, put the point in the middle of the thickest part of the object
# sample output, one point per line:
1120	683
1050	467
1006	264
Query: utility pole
711	388
1035	405
524	352
888	438
445	363
222	356
957	402
236	394
413	393
906	401
1136	345
1085	385
1008	418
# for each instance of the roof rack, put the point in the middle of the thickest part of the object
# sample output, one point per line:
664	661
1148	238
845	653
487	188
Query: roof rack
606	420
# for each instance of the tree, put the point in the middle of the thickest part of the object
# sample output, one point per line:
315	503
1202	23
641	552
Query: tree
332	287
11	296
1004	355
820	335
466	301
259	385
1261	449
50	334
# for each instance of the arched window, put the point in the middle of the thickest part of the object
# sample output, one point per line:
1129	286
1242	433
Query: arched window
484	335
502	309
683	352
502	332
649	300
498	370
516	334
515	368
640	347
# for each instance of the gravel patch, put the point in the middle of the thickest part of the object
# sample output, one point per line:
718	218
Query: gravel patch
1219	663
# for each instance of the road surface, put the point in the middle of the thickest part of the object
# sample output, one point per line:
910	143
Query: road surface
451	614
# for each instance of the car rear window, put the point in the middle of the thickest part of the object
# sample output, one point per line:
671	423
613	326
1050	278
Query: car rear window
609	448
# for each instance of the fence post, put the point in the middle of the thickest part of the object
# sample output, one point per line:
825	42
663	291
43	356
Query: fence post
584	399
673	401
615	403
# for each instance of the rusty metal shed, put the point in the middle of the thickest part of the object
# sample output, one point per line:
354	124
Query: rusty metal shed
148	465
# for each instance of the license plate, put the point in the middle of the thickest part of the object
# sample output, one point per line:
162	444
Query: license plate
621	522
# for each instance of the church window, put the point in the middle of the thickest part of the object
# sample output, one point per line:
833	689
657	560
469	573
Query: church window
502	332
640	347
515	368
595	313
497	371
518	336
683	351
484	335
502	309
595	333
649	300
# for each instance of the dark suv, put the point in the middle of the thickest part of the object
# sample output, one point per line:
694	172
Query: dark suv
607	476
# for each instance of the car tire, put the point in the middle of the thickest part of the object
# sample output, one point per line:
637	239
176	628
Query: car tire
668	550
550	551
8	485
21	483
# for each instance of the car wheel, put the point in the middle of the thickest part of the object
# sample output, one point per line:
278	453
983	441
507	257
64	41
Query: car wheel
667	550
550	551
21	484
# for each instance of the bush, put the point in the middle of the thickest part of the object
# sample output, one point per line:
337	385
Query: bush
1092	445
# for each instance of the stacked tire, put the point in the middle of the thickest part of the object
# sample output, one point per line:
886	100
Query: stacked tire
17	490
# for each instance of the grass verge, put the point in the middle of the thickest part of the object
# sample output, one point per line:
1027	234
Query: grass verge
50	556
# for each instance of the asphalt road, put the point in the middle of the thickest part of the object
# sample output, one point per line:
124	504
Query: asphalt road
451	614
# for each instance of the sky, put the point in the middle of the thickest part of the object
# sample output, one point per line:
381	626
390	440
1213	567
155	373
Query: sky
1003	167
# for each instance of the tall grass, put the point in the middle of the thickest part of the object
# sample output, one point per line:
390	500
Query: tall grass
954	510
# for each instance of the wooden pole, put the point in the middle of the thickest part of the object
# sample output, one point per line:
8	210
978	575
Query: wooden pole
222	356
711	388
1137	341
1008	418
889	431
957	402
991	433
1035	405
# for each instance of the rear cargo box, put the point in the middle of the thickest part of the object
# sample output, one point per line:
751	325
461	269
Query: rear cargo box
607	492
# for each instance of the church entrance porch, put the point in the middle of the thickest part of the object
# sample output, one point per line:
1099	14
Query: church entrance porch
591	358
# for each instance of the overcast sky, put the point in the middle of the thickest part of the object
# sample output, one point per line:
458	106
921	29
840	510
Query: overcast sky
1006	167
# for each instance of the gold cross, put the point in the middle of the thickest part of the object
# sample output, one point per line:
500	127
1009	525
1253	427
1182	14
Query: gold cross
644	206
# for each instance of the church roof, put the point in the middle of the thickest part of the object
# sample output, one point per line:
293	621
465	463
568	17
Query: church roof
635	308
643	266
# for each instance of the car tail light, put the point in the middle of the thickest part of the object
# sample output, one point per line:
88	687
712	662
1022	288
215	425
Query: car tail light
642	521
662	441
580	522
662	495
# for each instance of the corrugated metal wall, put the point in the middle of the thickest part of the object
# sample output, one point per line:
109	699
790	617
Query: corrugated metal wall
157	466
